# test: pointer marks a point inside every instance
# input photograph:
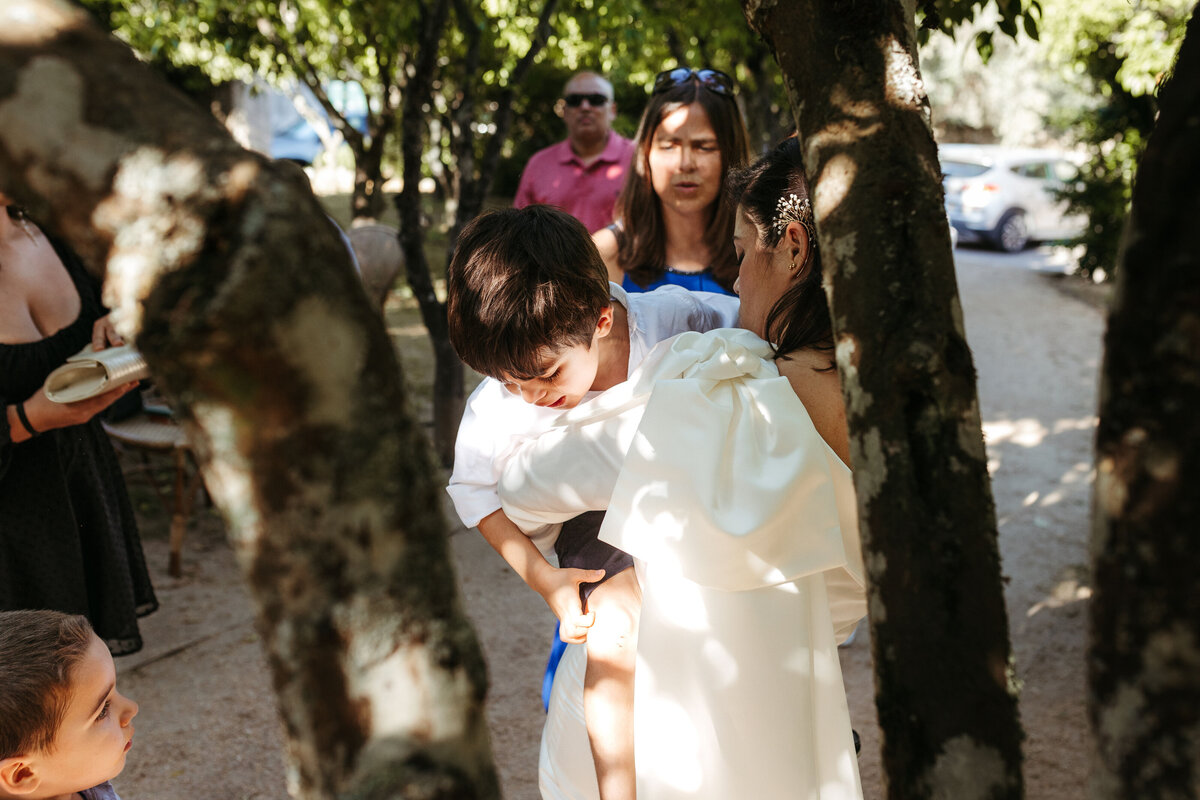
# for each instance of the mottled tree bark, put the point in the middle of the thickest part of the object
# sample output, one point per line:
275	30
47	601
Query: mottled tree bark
223	268
946	701
1144	661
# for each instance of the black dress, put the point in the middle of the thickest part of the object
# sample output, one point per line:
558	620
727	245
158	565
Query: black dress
68	539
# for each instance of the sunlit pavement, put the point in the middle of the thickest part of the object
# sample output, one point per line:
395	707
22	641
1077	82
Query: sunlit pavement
1044	258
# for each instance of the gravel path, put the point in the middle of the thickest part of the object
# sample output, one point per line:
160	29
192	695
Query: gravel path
207	726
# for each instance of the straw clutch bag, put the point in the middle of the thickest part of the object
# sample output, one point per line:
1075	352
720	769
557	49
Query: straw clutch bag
87	373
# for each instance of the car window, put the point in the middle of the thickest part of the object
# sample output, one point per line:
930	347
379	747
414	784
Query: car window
963	169
1037	170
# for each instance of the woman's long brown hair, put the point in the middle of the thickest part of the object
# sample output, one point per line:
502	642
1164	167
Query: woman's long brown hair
642	235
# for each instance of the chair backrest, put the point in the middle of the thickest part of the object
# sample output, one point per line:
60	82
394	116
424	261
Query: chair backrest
377	248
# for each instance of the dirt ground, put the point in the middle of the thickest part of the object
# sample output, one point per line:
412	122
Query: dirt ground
207	726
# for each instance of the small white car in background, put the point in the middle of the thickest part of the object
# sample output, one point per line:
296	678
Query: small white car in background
1006	196
301	143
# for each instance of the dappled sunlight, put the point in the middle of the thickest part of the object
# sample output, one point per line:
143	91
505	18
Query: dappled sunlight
903	86
671	745
1082	472
760	684
832	186
1082	424
1065	592
1024	432
721	662
1029	433
1080	475
685	607
862	111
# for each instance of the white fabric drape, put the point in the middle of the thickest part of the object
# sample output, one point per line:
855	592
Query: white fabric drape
743	525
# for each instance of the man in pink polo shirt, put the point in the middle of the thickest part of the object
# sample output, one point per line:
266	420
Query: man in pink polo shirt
583	174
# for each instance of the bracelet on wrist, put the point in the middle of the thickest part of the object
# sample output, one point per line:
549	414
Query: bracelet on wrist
24	420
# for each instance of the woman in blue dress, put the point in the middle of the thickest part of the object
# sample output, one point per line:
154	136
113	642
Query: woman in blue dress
674	222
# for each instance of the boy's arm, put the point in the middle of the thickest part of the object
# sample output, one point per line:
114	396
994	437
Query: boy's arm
558	587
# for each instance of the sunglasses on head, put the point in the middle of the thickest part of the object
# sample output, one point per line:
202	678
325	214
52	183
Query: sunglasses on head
593	100
712	79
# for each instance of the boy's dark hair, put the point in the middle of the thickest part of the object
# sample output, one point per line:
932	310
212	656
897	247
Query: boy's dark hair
522	285
38	651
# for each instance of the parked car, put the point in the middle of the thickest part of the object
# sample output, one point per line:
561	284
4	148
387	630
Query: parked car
1006	196
300	142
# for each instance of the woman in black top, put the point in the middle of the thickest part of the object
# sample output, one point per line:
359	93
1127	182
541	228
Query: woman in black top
68	539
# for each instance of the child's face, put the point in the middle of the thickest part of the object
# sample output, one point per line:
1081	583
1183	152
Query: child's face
96	730
568	374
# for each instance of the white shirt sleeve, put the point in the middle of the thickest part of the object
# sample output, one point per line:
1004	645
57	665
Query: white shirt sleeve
494	423
716	310
671	310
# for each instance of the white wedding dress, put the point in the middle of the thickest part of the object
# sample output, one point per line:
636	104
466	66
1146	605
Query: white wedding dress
742	521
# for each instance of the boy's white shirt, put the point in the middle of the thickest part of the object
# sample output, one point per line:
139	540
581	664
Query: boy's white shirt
495	421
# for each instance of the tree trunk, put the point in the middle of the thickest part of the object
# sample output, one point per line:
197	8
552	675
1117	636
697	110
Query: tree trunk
448	386
234	284
366	202
939	632
1144	664
474	184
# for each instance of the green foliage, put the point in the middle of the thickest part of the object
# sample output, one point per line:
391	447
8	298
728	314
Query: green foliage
1010	18
1123	51
631	41
370	41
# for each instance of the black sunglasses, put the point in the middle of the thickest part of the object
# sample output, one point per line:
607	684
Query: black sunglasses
593	100
712	79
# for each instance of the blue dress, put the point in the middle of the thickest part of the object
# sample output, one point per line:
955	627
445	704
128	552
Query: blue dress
702	281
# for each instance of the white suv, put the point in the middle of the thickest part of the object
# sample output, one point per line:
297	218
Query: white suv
1006	196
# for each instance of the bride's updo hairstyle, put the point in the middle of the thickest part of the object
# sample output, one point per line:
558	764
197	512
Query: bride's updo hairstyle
773	192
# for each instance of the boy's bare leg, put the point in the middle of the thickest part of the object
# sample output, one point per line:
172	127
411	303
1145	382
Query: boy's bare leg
608	683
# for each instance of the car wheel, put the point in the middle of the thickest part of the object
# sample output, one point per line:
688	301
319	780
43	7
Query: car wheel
1011	234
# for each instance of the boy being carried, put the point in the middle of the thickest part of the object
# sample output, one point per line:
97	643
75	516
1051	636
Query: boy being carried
530	305
64	728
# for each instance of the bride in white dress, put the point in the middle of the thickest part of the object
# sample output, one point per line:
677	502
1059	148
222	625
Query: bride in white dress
722	466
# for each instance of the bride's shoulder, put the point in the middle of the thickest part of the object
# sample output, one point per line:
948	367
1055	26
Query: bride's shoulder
814	378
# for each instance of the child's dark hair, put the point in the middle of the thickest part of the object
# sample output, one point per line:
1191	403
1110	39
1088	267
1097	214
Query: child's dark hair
800	317
522	285
38	651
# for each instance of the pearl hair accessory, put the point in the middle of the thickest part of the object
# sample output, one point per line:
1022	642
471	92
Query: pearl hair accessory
793	209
